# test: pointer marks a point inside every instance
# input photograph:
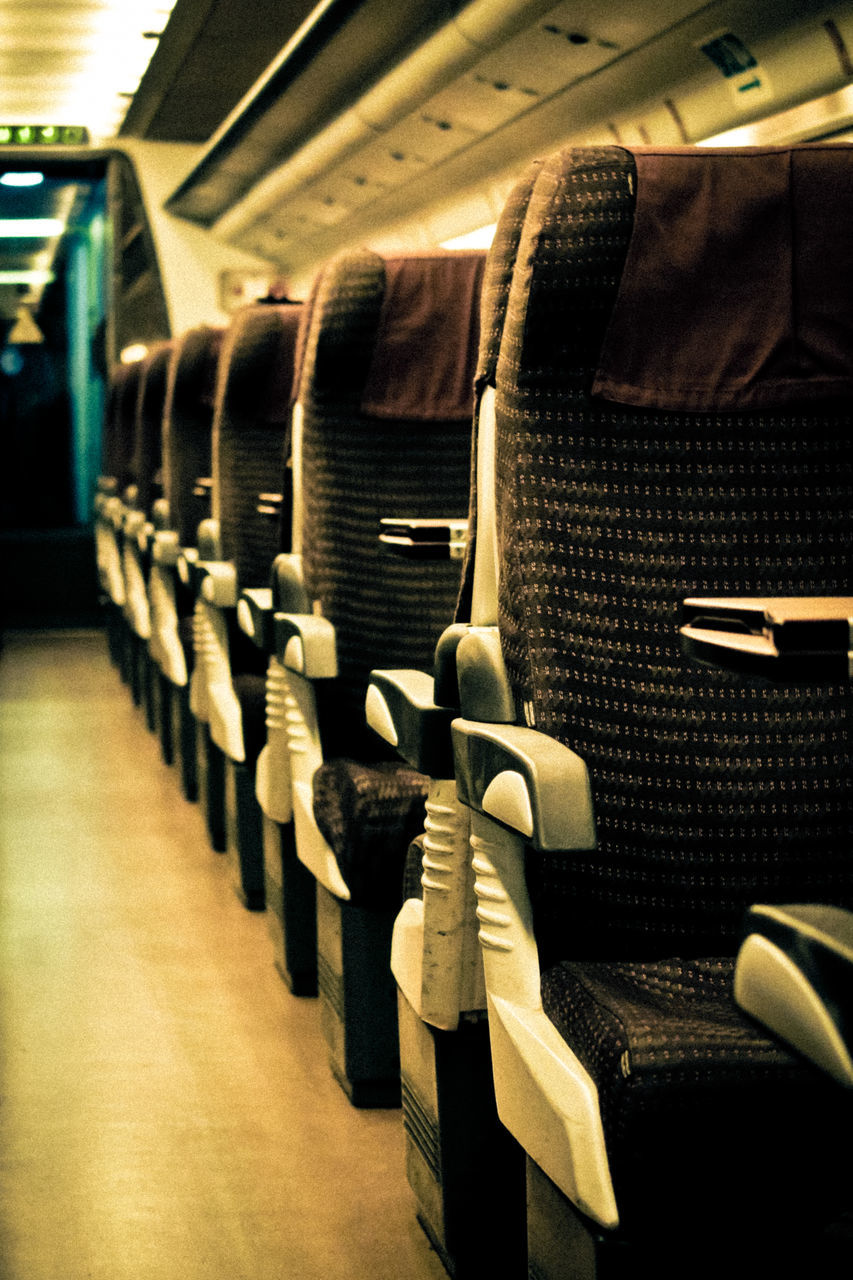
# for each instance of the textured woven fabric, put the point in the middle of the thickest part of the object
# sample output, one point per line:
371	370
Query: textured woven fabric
117	443
696	1101
711	791
387	611
369	814
249	434
147	450
187	427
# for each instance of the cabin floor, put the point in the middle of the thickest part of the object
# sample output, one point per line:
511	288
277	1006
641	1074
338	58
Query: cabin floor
167	1111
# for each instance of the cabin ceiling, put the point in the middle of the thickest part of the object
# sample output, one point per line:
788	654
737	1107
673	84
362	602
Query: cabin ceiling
322	124
495	82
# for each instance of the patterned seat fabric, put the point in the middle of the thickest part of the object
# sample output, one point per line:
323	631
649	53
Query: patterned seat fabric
254	397
146	463
187	425
186	451
253	402
711	791
372	450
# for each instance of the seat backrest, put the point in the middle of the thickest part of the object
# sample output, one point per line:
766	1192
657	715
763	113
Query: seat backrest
118	434
146	462
187	427
387	397
253	402
670	423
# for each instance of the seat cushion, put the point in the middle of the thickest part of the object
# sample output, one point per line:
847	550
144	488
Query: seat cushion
699	1106
369	814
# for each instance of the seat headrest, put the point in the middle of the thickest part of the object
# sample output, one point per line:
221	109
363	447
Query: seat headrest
275	394
425	355
736	289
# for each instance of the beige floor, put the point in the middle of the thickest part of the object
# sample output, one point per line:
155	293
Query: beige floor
166	1109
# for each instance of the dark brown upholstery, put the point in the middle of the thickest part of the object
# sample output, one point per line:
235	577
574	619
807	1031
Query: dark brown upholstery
711	791
187	427
253	399
146	463
118	435
388	612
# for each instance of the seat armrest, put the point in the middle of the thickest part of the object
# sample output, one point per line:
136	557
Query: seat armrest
188	568
794	974
527	781
288	586
134	523
166	549
114	511
400	707
305	643
145	537
219	583
255	611
425	539
799	637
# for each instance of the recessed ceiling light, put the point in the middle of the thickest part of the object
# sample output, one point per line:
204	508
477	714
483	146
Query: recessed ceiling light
21	179
30	228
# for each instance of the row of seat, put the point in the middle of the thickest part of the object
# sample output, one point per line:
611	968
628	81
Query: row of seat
549	779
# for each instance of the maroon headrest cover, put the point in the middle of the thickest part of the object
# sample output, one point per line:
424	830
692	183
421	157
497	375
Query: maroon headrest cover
737	291
425	355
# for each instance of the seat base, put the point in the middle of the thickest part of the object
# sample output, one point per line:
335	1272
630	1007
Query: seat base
184	738
244	834
565	1245
464	1168
165	716
358	1000
115	628
291	898
210	761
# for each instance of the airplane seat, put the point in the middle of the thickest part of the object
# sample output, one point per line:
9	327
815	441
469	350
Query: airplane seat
187	428
253	399
116	454
667	425
138	528
289	888
461	1163
385	400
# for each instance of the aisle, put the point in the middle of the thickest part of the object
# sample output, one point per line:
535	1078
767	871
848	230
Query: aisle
166	1108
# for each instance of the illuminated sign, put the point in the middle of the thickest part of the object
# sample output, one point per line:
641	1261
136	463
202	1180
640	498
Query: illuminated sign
45	135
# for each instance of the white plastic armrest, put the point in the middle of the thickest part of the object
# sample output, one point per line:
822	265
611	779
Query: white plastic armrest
306	757
527	780
219	585
305	644
794	974
134	523
187	559
166	550
273	783
545	1096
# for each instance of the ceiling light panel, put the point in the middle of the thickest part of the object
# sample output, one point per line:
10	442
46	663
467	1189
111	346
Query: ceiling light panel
75	62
